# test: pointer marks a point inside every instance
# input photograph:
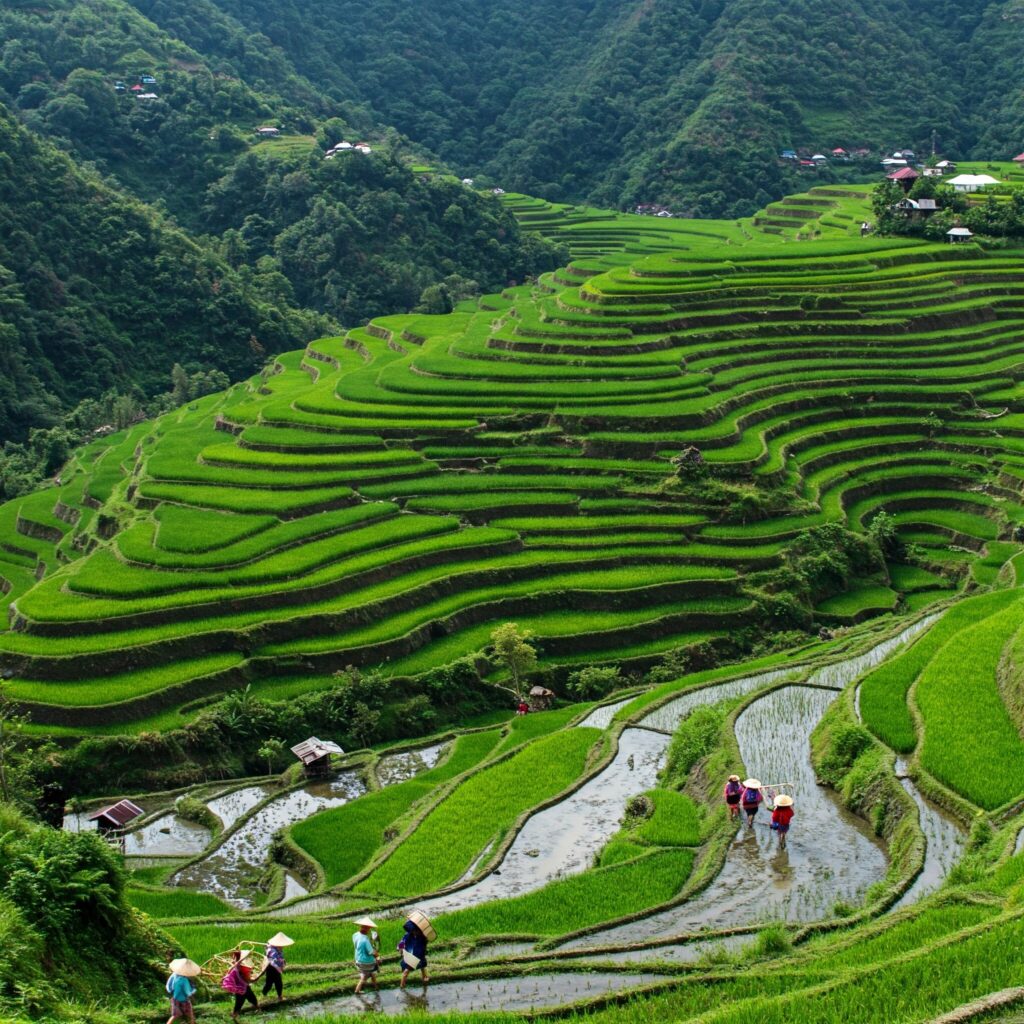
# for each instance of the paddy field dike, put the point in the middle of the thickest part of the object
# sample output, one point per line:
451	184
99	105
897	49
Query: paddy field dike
626	457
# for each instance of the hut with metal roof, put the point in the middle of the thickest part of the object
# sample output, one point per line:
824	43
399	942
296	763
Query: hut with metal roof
541	698
315	755
117	816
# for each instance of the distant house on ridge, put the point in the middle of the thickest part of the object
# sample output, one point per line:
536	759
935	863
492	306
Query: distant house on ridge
959	235
906	176
267	132
116	816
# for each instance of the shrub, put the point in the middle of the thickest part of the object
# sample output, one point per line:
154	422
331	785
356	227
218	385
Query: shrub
593	682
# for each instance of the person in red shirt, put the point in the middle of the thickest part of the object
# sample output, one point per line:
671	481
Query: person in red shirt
782	816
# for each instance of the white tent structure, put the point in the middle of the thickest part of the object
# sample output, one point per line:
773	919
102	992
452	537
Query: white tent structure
972	182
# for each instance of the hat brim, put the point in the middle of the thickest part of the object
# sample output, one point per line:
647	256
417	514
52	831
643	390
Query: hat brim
366	922
783	801
280	940
185	967
752	783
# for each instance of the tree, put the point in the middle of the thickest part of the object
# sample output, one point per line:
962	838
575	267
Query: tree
271	751
11	725
592	682
512	649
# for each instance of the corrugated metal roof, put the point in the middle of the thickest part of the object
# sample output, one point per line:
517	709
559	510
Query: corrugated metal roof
313	749
118	814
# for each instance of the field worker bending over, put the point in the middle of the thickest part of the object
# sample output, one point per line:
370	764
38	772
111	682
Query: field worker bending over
732	793
782	816
367	958
751	799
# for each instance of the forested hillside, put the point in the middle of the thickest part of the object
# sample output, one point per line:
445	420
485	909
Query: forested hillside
99	292
656	101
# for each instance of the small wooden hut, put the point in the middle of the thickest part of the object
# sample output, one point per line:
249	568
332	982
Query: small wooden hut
541	698
117	816
315	755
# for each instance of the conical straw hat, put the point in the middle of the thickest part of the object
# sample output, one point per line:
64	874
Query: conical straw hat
734	778
783	801
365	922
280	940
185	967
752	783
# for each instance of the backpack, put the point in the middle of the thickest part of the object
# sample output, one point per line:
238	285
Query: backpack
752	796
732	788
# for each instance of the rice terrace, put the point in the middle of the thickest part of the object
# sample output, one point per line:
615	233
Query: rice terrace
719	498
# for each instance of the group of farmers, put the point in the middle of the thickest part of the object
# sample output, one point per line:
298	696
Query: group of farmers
237	978
748	796
235	969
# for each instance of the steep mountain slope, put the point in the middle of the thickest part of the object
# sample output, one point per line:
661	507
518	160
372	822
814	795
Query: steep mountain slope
650	100
99	292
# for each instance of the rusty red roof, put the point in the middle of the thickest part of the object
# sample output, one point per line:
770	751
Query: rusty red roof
118	814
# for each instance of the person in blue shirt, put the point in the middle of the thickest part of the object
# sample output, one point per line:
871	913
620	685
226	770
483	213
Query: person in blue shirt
274	973
181	990
367	957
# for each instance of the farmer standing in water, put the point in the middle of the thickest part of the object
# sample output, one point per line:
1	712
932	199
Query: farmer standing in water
732	793
751	799
782	816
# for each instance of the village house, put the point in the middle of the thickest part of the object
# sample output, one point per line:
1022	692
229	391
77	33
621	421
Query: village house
905	177
1019	158
788	154
972	182
267	132
956	235
915	209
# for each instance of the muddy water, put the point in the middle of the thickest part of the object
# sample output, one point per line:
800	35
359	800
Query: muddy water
601	718
313	905
684	953
293	888
229	871
944	844
563	839
1019	846
525	993
830	855
668	716
166	836
400	767
231	806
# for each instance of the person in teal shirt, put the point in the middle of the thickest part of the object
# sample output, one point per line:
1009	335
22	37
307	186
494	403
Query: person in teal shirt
181	990
367	958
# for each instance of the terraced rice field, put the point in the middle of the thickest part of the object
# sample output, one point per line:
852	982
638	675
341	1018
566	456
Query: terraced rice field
638	918
387	498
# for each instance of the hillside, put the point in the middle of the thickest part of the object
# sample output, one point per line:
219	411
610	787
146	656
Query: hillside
101	293
658	102
629	457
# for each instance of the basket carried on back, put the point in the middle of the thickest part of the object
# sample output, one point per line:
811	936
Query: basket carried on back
219	964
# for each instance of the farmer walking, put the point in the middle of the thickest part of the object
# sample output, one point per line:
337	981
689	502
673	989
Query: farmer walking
782	816
367	957
414	952
181	989
238	981
751	799
274	973
732	793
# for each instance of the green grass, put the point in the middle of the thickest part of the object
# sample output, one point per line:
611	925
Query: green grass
883	692
480	812
970	742
344	839
580	901
173	903
674	821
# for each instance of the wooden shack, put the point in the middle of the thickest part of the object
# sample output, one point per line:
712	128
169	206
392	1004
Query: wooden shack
117	816
315	755
541	698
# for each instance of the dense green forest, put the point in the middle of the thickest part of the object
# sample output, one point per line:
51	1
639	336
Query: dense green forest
654	101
